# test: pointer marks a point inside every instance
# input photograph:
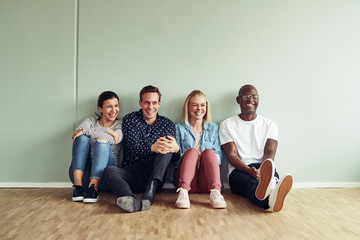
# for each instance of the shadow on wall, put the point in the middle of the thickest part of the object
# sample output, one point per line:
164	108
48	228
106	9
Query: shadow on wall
224	169
225	105
128	103
53	162
172	109
86	107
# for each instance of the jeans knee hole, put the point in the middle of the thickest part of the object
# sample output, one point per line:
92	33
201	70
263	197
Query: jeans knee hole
101	140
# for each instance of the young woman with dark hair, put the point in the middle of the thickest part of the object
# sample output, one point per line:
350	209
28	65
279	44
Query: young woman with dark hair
96	145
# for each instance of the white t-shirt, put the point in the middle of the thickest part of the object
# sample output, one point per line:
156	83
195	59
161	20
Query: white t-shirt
249	137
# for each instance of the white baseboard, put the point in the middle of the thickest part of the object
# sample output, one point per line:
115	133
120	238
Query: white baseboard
35	185
171	186
327	185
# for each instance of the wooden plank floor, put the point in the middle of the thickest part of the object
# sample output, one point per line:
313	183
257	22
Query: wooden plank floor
308	214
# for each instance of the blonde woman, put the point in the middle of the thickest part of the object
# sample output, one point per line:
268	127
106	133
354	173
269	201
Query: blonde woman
198	138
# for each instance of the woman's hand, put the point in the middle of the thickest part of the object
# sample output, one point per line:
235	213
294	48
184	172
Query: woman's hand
115	134
77	133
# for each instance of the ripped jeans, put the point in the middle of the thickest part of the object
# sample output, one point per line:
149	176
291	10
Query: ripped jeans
81	160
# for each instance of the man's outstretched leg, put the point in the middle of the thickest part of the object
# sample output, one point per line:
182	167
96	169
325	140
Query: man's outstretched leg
118	180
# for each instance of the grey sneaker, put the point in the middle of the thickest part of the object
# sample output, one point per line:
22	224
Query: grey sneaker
133	204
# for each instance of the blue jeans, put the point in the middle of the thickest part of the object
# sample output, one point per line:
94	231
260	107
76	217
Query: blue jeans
81	160
243	184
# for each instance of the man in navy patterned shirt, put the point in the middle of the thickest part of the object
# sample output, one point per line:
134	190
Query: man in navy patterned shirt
149	145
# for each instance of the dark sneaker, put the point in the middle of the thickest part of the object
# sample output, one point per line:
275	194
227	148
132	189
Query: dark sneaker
78	194
131	204
91	195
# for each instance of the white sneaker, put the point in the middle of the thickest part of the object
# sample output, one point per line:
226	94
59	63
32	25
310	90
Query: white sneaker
183	198
277	196
267	181
216	199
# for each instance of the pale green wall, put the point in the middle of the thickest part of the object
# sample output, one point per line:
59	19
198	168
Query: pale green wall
303	56
37	105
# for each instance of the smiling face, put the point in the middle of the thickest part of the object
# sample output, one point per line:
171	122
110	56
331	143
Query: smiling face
248	106
109	110
150	104
197	108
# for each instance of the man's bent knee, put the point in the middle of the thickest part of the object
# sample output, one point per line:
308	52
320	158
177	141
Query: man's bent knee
109	170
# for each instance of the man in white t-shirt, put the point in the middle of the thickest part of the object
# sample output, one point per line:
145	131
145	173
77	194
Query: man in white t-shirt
250	142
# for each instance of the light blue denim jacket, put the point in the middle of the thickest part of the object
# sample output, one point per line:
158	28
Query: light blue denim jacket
209	138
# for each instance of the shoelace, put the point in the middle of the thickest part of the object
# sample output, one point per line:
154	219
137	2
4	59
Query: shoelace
182	194
274	184
218	195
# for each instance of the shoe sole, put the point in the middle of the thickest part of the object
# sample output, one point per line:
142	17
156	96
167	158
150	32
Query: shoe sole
266	173
127	203
218	205
182	205
282	191
90	200
145	204
77	199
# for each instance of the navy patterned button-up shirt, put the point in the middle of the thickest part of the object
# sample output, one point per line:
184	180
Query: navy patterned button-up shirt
139	136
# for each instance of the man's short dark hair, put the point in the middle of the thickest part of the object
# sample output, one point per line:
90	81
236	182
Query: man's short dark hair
245	87
149	88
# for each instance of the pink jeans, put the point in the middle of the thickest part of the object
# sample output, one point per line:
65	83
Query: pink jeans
198	173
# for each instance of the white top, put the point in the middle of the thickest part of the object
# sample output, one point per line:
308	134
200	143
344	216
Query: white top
249	137
197	141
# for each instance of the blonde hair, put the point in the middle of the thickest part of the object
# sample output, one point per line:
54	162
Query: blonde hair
185	116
